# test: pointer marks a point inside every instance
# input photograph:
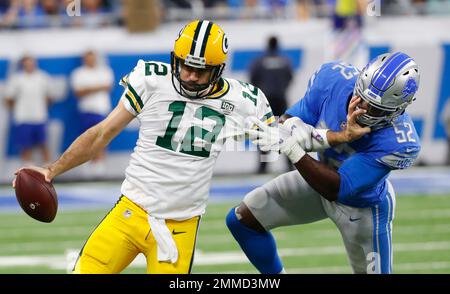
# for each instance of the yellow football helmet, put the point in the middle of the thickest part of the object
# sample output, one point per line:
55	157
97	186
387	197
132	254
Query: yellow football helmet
200	44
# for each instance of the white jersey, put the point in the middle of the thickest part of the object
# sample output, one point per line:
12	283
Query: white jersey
30	92
87	77
179	140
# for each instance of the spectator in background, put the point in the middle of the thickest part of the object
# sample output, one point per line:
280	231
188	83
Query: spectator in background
446	122
303	8
4	5
27	96
11	14
277	8
92	13
347	36
347	14
25	14
54	12
92	84
92	6
272	73
50	7
214	3
186	4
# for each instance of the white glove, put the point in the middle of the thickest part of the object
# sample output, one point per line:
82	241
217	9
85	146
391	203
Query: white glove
275	139
266	137
309	138
292	149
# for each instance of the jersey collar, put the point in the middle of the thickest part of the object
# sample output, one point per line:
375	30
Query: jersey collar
222	87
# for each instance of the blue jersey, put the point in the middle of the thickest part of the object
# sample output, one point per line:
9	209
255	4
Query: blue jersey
364	164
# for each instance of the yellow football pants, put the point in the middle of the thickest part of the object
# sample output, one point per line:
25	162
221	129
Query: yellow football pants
124	233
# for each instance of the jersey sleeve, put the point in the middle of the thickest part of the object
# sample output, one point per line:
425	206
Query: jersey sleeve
258	105
401	158
359	173
135	94
264	111
308	108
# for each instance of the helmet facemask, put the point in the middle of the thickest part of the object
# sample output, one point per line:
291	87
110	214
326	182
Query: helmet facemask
196	91
376	116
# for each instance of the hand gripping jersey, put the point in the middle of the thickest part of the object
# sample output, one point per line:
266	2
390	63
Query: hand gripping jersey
180	138
363	164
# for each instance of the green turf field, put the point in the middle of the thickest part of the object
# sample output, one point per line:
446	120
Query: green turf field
421	242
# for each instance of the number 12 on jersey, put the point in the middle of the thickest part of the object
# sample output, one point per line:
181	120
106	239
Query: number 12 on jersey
188	144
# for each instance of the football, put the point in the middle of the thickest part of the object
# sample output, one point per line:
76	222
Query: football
36	196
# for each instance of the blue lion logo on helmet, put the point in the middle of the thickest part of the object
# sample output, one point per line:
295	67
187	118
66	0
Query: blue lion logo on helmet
410	87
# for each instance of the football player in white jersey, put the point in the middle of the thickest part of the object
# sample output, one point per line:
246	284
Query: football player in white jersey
187	111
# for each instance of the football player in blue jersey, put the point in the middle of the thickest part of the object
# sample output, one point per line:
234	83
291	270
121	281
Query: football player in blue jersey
357	123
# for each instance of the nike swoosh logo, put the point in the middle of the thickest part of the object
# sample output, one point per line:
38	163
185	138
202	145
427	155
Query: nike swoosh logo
354	219
177	233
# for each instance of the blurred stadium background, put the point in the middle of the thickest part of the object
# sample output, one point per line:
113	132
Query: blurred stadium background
57	33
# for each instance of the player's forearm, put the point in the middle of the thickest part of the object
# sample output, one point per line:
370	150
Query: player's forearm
320	177
84	148
336	138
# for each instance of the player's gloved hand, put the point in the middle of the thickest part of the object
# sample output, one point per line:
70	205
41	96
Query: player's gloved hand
275	139
292	149
309	138
266	137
